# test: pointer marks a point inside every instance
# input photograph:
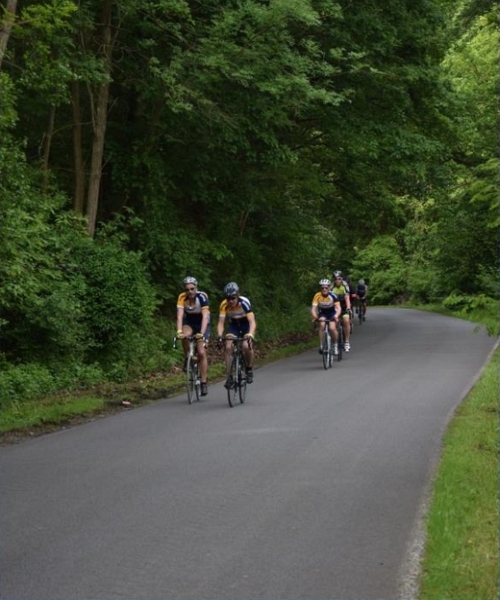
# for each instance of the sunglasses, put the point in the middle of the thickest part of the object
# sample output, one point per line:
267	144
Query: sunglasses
338	278
325	287
232	297
190	289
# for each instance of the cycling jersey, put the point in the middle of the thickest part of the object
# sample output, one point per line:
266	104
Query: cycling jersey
193	309
341	291
361	291
237	315
325	305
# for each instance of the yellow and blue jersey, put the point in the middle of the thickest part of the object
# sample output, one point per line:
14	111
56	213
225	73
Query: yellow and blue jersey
236	312
193	309
325	305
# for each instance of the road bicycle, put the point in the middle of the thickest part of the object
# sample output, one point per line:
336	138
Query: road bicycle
327	346
361	310
237	374
193	378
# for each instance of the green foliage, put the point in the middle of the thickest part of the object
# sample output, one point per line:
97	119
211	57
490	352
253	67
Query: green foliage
118	302
382	265
24	382
263	142
469	304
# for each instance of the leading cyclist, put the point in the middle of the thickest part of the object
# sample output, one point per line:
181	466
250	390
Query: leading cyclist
242	323
325	305
193	318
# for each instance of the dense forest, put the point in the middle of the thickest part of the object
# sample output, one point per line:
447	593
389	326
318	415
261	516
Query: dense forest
267	142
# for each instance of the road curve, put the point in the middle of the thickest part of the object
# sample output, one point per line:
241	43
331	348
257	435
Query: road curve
310	490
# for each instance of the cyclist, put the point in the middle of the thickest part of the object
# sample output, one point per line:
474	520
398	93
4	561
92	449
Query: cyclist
326	305
341	289
352	290
242	323
193	318
362	294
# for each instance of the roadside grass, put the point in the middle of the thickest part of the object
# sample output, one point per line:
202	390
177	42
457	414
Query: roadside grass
461	555
19	420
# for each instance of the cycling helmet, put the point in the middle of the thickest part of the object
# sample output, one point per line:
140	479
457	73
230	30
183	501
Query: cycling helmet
337	273
325	282
190	280
231	289
361	282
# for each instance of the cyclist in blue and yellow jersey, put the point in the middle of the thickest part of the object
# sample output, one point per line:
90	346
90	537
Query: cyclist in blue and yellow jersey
193	318
341	289
326	305
242	323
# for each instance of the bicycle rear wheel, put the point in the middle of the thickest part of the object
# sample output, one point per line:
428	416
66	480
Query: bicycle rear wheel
232	392
360	313
242	380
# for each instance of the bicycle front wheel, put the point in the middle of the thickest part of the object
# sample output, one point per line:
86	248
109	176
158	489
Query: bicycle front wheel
196	378
232	392
242	380
326	348
190	380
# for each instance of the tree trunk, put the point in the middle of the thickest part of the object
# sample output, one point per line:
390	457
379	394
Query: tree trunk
79	191
8	21
99	123
46	144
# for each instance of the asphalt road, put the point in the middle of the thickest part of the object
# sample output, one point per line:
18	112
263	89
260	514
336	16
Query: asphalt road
310	490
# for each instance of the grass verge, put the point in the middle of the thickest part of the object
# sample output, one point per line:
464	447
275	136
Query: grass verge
21	420
461	555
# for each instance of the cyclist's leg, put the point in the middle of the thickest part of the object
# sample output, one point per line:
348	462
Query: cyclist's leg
332	328
187	331
346	324
202	354
247	347
228	355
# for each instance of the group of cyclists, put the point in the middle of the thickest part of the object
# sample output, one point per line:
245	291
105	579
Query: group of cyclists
193	319
333	302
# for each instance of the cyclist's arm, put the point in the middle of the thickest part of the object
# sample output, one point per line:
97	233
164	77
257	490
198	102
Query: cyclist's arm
338	310
180	317
205	318
252	323
314	312
220	325
347	299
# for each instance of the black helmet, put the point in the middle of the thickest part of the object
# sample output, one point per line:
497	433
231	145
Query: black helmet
231	289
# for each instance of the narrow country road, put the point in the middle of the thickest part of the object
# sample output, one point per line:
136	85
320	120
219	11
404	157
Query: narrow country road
310	490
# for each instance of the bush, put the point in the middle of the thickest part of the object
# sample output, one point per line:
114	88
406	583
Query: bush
119	303
382	265
25	382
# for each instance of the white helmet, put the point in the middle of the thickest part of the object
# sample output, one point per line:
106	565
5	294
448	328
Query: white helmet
325	282
190	280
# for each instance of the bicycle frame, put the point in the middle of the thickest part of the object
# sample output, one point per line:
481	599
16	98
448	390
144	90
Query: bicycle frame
327	355
193	379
